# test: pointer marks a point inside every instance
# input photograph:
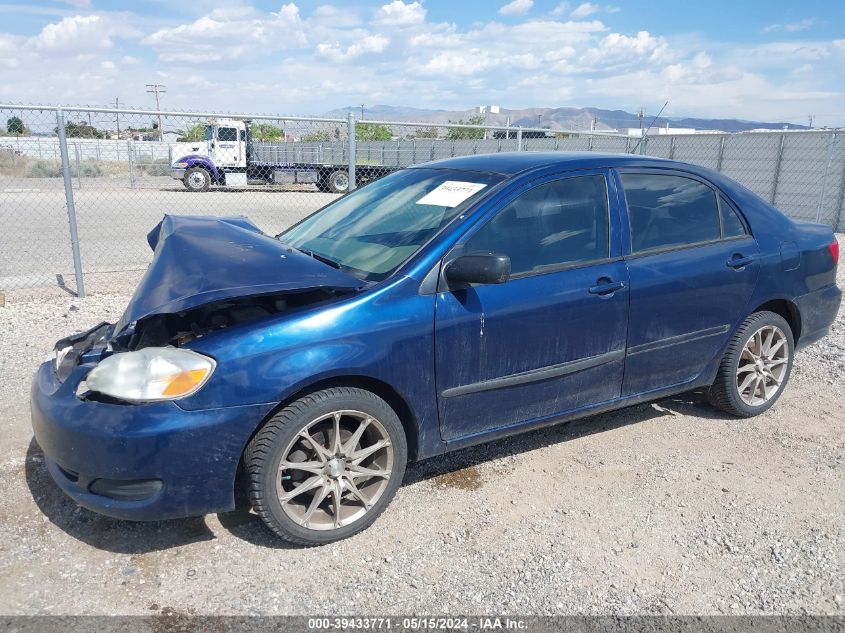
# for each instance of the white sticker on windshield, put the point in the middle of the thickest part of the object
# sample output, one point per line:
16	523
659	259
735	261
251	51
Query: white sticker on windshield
451	193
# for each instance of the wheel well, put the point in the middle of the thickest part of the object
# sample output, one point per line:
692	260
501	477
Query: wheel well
788	311
378	387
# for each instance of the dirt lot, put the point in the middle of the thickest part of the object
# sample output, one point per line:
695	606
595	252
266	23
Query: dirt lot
662	508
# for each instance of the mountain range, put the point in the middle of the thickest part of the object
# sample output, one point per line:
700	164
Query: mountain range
557	118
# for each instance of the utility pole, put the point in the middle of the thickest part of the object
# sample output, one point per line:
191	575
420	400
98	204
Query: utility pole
539	118
362	110
117	116
641	117
156	89
811	118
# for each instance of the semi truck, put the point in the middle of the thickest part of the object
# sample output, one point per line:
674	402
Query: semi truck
226	157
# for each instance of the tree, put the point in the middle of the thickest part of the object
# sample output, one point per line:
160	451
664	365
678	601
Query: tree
320	136
15	127
425	132
81	130
194	133
266	132
460	133
372	132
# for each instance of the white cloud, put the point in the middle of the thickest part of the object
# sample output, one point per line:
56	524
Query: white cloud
397	13
561	9
516	7
792	27
241	58
371	44
229	34
617	50
588	8
332	16
9	47
78	35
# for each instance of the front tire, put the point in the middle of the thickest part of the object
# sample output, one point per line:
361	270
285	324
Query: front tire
326	466
756	366
197	179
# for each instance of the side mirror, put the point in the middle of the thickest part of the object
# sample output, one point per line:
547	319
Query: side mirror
479	268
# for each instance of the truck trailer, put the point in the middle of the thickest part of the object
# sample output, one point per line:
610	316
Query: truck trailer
226	157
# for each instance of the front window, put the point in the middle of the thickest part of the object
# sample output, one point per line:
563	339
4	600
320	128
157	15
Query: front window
209	133
375	229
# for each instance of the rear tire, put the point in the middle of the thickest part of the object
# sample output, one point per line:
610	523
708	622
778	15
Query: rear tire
197	179
326	466
756	366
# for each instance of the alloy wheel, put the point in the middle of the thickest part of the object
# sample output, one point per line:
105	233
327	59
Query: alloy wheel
762	365
334	470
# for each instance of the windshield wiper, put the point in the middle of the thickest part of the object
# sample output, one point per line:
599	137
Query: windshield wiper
323	258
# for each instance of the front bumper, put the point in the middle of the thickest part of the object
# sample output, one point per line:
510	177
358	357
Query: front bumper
193	454
177	173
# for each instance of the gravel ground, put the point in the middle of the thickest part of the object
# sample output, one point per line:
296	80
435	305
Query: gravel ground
667	507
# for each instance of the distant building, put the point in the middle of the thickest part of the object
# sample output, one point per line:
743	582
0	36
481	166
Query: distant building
665	129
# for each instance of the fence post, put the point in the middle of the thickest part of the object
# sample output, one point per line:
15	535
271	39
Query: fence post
721	153
78	167
672	148
71	208
351	133
778	161
130	152
519	139
825	177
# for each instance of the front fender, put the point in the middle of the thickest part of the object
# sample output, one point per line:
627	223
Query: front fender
386	335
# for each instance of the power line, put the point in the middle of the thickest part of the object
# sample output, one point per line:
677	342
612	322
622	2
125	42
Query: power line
157	89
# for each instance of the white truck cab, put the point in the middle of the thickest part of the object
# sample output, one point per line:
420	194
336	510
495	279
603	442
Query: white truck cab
224	143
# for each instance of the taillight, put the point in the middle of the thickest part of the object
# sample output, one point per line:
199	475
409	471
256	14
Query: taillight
834	251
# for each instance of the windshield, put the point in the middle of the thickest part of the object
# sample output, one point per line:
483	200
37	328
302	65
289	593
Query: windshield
375	229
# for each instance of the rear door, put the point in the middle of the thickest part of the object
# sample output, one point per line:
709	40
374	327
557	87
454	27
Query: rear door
692	265
552	338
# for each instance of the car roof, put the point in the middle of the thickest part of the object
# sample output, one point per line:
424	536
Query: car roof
511	163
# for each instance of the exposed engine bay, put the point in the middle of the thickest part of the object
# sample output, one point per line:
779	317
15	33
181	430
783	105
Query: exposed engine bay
179	328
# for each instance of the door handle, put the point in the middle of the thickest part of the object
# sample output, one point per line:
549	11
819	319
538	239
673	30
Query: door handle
606	287
738	261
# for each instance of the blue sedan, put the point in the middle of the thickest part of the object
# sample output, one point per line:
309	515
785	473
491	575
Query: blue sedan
439	307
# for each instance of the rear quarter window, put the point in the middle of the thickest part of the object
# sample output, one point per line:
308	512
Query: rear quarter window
667	211
732	225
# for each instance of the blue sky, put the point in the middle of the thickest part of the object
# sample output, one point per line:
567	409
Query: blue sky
772	60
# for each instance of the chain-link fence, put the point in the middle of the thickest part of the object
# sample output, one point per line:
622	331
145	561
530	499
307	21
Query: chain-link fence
81	187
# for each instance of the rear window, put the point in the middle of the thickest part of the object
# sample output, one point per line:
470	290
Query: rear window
668	211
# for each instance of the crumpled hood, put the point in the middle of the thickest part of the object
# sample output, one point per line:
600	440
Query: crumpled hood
201	259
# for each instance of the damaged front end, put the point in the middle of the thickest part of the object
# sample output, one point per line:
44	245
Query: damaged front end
207	274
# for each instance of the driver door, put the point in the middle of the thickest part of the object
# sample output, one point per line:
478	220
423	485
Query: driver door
227	148
552	338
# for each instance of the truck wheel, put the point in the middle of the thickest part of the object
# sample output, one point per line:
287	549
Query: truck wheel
326	466
197	179
338	181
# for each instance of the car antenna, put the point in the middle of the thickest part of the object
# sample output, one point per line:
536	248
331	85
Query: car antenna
656	116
